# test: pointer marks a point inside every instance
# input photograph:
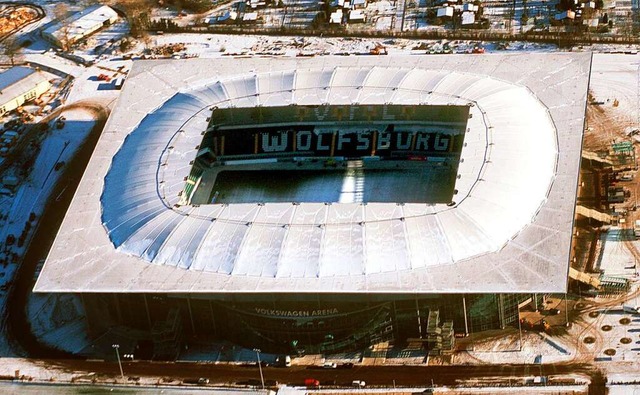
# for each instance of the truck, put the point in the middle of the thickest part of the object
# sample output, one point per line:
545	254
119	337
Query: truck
118	82
636	228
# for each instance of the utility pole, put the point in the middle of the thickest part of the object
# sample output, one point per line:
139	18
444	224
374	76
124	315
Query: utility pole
258	351
116	347
566	310
519	332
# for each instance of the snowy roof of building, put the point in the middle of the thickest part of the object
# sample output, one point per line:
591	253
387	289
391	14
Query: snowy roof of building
444	11
356	14
468	18
81	22
509	231
18	80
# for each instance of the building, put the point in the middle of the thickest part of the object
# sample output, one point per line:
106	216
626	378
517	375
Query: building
19	85
444	12
357	16
565	16
327	204
79	26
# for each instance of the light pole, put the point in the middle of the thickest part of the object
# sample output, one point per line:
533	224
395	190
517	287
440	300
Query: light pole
258	351
116	347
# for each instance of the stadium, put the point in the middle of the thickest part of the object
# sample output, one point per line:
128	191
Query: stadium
326	204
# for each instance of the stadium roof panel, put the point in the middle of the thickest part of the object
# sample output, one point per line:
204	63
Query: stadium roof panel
509	231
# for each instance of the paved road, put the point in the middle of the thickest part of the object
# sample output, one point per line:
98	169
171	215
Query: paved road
373	375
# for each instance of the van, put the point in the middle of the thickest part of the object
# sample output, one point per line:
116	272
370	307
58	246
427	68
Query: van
358	383
283	361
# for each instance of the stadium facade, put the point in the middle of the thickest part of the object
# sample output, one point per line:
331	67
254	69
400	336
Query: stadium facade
326	204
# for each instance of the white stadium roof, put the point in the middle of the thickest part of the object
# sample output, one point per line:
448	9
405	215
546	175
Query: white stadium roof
509	231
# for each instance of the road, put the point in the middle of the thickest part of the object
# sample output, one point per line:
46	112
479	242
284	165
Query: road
374	376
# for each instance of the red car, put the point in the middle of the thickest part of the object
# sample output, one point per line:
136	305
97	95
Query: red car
310	383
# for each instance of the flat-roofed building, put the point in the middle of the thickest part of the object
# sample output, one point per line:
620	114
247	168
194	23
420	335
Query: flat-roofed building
19	85
80	25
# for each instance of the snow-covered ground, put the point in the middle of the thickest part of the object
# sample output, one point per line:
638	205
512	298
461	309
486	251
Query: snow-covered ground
58	320
35	190
616	77
533	348
626	389
616	260
213	45
613	339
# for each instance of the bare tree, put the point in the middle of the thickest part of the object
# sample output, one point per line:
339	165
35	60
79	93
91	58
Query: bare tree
11	48
145	38
61	11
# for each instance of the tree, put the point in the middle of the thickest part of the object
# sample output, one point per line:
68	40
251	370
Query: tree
61	11
11	48
145	39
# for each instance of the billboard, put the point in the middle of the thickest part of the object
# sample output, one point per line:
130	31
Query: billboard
344	131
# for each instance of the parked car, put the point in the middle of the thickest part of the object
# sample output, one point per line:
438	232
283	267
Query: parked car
311	383
358	383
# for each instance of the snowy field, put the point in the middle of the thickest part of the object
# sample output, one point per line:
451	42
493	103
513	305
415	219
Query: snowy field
616	77
215	45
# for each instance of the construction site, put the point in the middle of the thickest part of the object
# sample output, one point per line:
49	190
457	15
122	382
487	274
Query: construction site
607	201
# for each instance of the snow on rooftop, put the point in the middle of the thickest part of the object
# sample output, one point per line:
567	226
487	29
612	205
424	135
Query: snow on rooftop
18	80
13	75
509	231
81	23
